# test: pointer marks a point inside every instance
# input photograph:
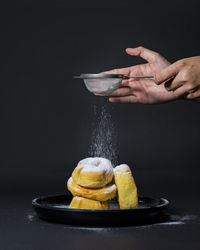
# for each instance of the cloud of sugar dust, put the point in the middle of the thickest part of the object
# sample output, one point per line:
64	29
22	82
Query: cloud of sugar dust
103	140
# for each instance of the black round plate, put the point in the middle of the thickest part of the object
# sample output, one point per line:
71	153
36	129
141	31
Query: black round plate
55	209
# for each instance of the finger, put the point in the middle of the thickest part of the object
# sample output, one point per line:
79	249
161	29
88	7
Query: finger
173	84
125	83
123	71
124	99
168	84
99	94
124	91
194	95
183	90
166	74
147	54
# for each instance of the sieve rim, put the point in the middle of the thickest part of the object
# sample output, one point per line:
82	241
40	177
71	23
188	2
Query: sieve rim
97	76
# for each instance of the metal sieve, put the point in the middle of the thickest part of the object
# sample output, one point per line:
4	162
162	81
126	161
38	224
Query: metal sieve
105	83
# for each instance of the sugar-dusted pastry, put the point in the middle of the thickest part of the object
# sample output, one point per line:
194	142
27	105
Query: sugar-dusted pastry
100	194
83	203
93	172
126	187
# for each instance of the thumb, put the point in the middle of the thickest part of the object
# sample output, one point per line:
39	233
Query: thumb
166	74
147	54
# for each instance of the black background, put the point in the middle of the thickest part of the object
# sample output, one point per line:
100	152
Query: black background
47	116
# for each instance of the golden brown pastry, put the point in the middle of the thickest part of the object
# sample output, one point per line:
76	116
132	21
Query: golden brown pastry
93	172
100	194
126	187
83	203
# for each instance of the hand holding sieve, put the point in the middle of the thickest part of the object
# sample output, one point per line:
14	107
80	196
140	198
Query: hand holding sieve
105	83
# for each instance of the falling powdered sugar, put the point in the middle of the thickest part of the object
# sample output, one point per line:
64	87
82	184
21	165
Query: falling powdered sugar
103	141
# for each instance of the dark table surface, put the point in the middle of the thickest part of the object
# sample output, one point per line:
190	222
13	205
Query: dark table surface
21	229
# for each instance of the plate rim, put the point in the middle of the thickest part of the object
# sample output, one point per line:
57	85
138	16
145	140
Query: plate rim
164	203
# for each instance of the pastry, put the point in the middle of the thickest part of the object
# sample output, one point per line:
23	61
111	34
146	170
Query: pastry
126	187
93	172
83	203
100	194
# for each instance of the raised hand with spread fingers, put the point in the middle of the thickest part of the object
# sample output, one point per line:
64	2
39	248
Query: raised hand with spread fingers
142	90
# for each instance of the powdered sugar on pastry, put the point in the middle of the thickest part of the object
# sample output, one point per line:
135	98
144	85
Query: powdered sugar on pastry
70	181
126	187
100	194
93	172
78	198
110	189
96	164
122	168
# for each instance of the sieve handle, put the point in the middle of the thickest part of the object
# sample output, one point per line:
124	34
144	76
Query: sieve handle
127	77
